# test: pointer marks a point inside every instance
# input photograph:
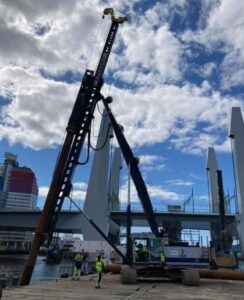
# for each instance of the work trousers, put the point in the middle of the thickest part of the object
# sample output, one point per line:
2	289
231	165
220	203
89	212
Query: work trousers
99	277
77	272
85	267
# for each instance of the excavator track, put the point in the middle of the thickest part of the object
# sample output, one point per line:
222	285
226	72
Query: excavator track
128	275
190	277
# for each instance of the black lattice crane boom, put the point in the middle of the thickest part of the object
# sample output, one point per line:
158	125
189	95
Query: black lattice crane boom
78	126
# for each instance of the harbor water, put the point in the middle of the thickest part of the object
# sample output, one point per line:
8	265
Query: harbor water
13	266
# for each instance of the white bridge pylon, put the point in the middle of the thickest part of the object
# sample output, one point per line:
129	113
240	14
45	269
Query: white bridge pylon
102	191
236	133
212	168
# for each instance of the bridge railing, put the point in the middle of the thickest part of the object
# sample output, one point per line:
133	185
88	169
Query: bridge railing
136	207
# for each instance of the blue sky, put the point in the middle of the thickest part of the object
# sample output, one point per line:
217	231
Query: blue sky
175	72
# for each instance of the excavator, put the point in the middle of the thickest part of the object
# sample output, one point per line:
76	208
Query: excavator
144	253
180	258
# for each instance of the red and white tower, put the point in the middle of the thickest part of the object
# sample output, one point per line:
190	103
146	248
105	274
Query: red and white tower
19	186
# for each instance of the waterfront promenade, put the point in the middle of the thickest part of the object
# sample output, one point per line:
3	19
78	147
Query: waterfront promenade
61	289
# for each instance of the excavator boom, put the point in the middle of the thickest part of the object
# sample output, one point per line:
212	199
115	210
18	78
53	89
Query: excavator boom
136	176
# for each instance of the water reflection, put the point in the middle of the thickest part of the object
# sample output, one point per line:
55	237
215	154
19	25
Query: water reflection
44	271
14	266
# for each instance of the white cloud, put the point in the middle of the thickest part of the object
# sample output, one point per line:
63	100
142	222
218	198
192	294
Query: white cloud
43	190
154	109
38	113
223	32
183	115
151	163
78	192
163	194
80	185
164	61
78	195
155	192
67	43
149	159
180	182
206	70
153	168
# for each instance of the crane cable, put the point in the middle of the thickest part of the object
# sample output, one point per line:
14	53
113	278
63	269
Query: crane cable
157	194
88	152
89	145
100	112
92	47
104	143
116	61
93	127
101	129
93	43
109	87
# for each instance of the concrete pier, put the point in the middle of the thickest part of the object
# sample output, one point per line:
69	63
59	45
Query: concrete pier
111	288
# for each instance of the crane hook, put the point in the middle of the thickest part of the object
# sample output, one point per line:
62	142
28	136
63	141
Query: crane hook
110	11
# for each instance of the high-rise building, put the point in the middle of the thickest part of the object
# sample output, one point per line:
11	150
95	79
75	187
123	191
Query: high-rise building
18	190
18	186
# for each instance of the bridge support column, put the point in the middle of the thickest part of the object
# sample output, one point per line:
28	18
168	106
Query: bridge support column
237	136
96	202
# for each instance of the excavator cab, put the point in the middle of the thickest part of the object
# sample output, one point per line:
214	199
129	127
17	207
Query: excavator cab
148	250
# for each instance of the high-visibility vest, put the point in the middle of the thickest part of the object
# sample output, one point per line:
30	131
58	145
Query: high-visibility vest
78	257
104	261
162	257
99	265
145	249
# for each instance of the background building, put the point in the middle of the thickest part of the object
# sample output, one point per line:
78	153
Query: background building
18	190
18	186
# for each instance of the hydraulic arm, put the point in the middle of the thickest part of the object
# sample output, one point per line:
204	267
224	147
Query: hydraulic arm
136	176
78	126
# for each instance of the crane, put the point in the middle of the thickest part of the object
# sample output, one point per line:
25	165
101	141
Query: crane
78	126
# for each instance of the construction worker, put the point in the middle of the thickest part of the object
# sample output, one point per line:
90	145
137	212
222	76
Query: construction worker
84	265
103	260
99	269
140	253
162	258
145	253
77	267
136	255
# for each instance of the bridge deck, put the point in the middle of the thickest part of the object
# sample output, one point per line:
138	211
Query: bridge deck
70	221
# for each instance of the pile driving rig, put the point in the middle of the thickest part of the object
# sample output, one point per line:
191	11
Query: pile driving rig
78	127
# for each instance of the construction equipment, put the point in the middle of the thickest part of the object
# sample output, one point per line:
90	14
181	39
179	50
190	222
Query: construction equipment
76	131
180	257
149	263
